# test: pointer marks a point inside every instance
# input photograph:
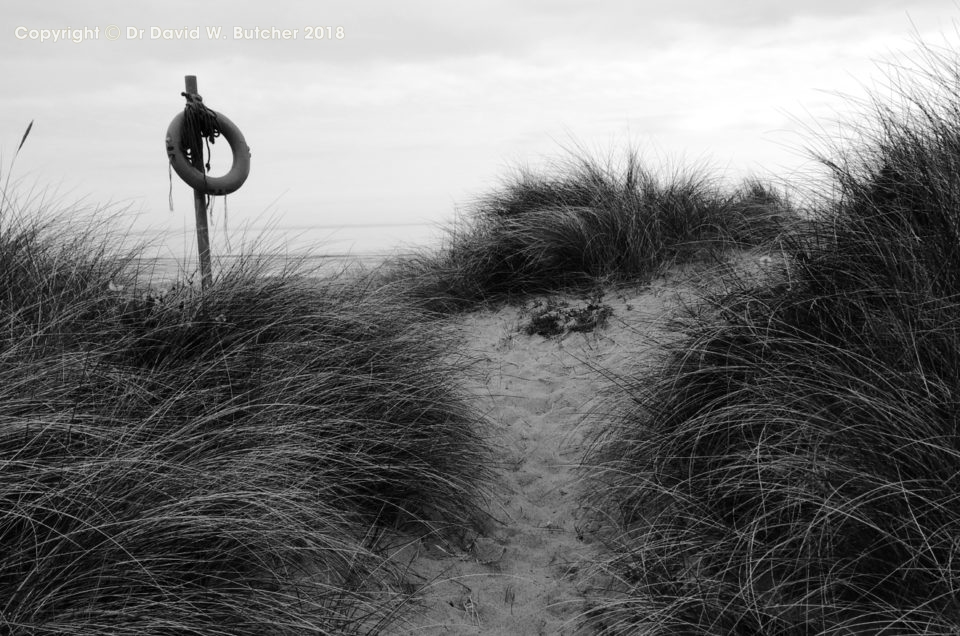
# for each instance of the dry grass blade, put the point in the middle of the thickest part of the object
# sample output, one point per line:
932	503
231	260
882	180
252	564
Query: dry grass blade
26	133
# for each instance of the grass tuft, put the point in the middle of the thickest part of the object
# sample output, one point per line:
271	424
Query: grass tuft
792	468
585	223
218	462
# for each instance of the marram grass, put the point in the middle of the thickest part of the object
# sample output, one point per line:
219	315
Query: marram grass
588	222
793	466
224	462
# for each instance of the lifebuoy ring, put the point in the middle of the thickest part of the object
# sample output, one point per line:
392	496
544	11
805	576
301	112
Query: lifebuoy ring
197	179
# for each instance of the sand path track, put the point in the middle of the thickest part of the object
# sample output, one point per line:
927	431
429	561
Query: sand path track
524	574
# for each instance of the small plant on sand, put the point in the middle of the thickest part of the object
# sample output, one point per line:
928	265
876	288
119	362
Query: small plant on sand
549	317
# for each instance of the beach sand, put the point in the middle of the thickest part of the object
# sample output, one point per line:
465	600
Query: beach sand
525	573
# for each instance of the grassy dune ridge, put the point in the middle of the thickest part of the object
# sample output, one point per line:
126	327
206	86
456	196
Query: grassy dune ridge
588	221
213	463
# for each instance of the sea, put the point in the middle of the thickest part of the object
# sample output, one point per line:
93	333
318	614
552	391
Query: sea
320	251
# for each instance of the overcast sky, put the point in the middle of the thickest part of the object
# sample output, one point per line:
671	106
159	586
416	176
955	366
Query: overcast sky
422	106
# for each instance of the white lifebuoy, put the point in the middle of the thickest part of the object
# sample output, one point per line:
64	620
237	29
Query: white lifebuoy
197	179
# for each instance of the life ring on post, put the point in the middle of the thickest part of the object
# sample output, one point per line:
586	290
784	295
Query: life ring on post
197	179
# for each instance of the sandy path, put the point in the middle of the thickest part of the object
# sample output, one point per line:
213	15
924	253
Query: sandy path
521	576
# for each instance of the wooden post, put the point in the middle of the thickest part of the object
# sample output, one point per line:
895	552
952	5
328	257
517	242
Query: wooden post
200	199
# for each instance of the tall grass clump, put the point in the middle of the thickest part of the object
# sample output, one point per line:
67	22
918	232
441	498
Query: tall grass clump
585	222
221	462
793	466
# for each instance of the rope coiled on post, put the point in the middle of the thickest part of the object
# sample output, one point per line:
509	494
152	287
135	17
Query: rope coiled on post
198	121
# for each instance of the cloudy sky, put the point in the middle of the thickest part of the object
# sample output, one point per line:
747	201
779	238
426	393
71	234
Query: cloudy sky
419	107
